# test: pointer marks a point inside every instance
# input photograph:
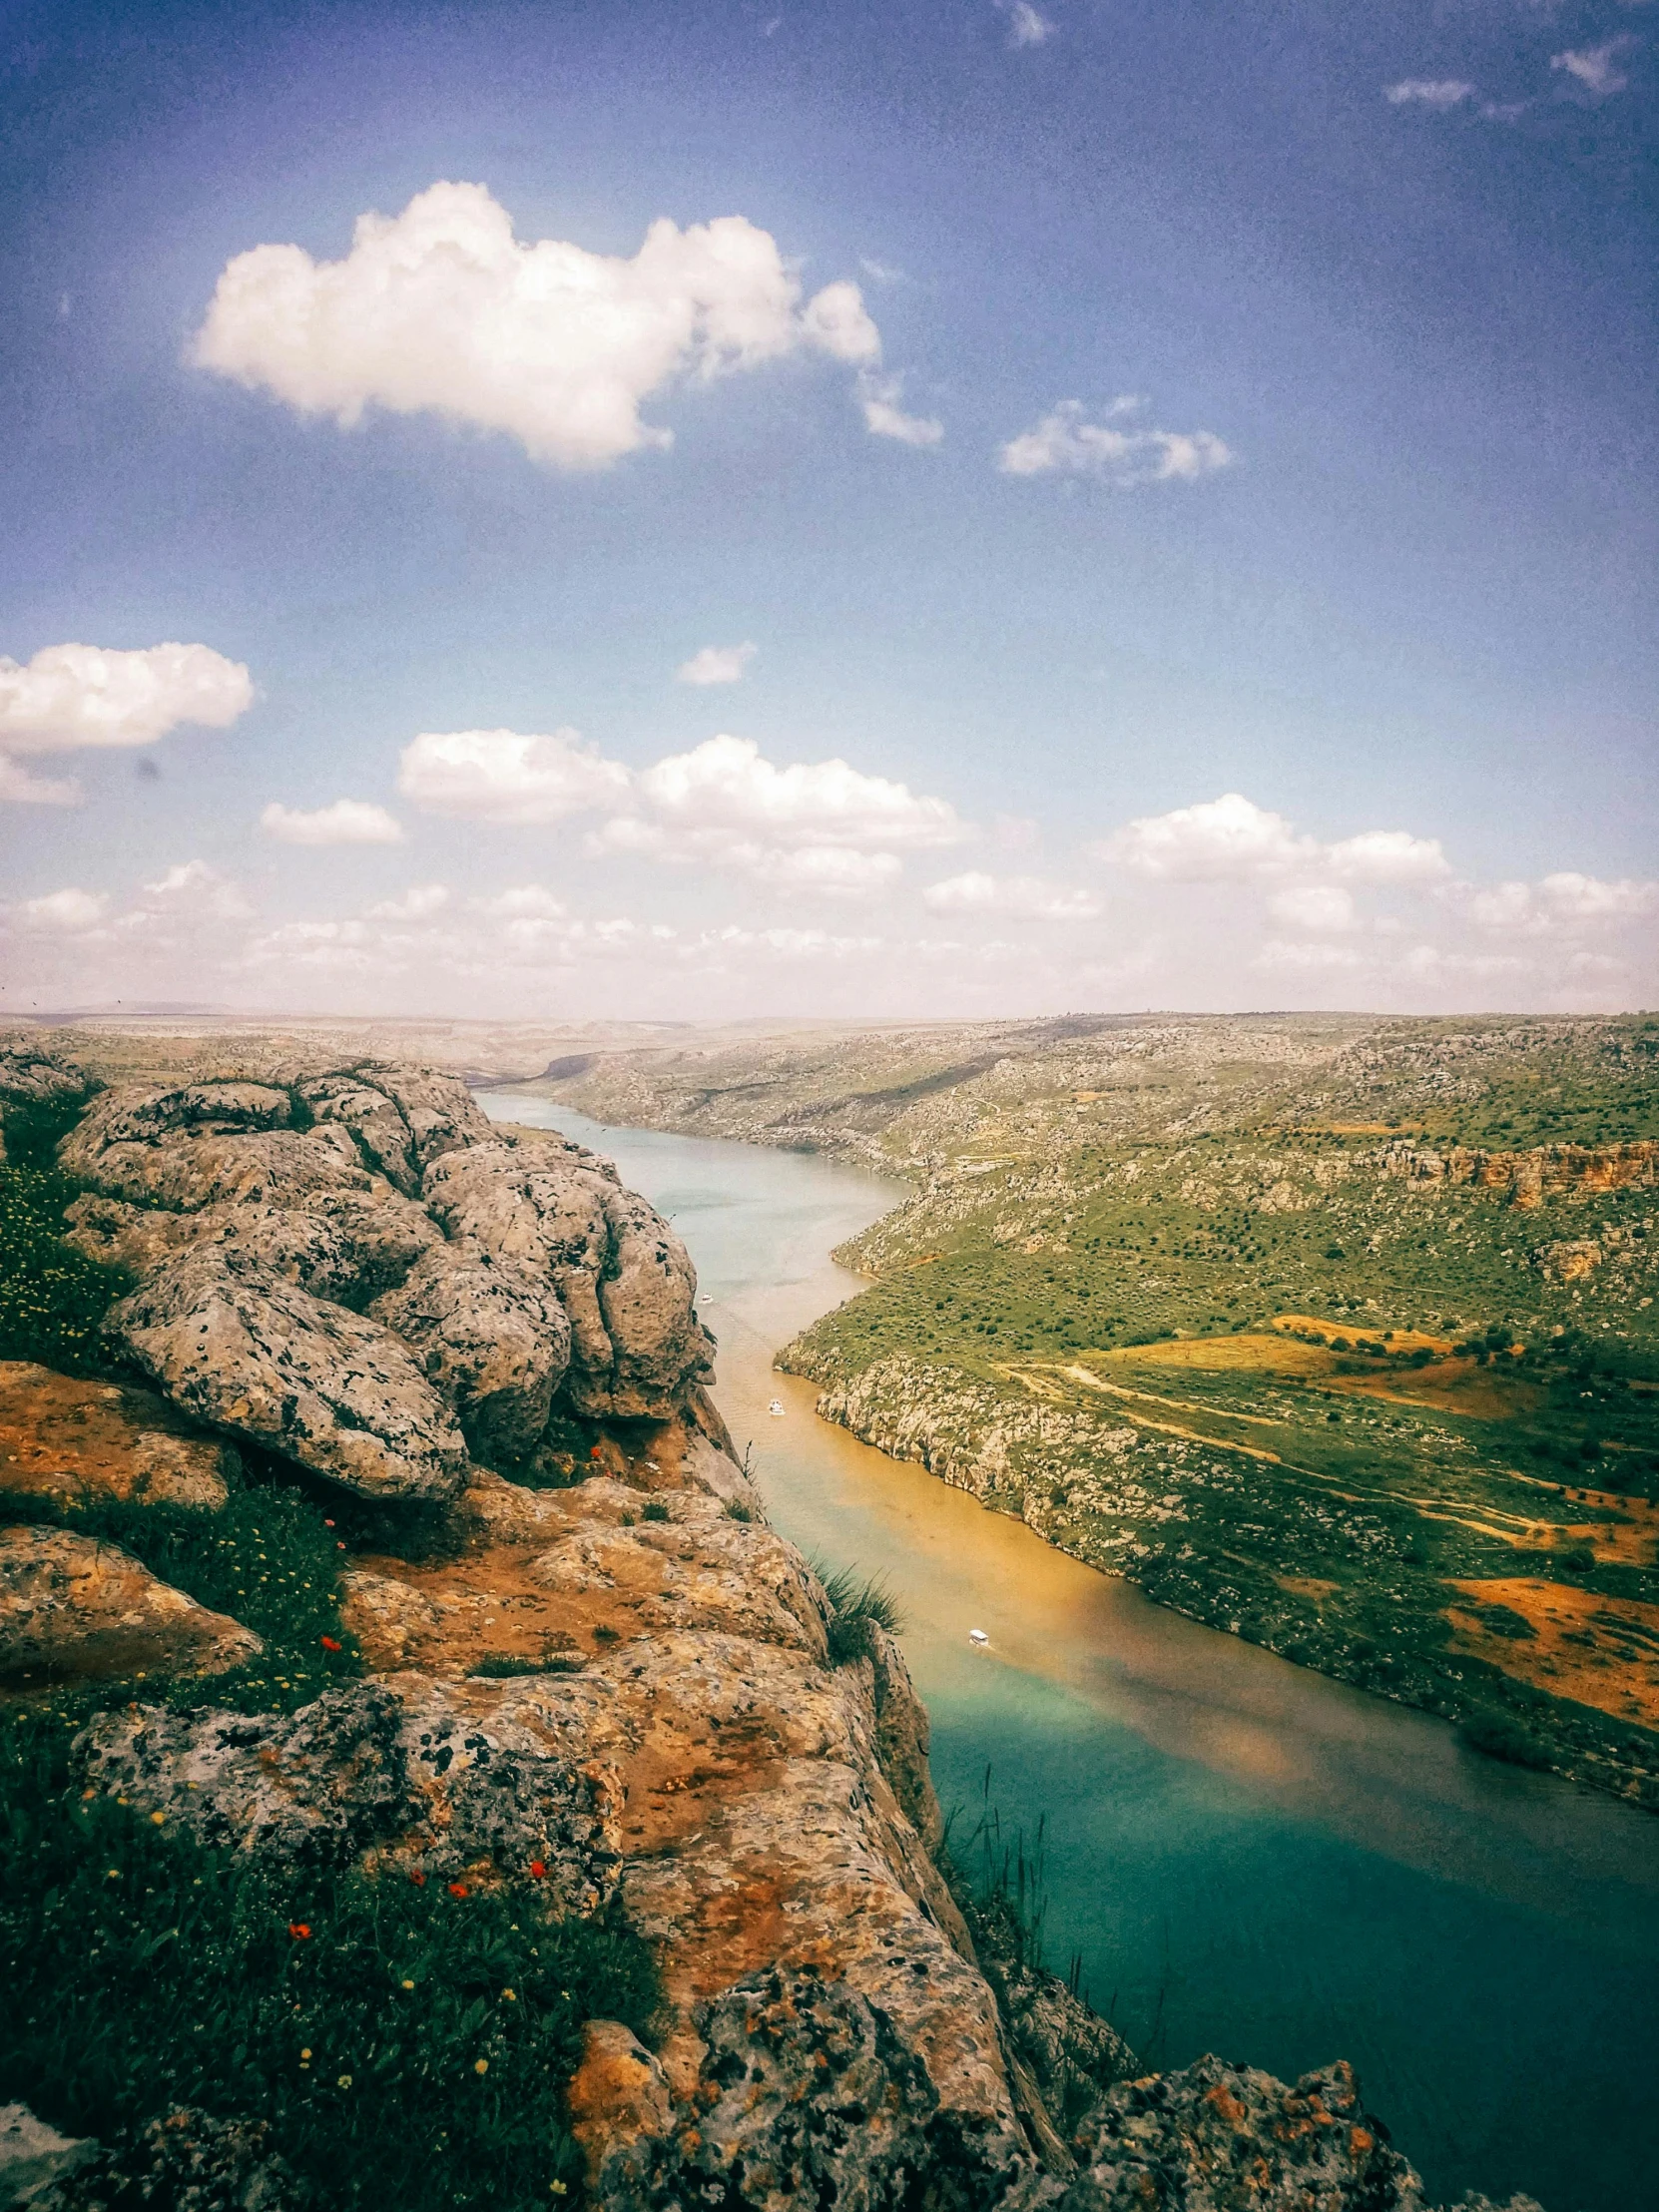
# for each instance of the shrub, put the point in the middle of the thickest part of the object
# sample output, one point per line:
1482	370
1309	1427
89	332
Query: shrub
405	2045
654	1510
855	1604
1500	1736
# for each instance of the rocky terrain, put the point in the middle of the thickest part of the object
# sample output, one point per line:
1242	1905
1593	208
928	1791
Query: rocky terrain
427	1777
1336	1333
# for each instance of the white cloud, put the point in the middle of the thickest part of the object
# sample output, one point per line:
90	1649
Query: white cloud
1431	961
1562	902
1064	442
1232	839
1593	67
191	891
1276	953
347	822
1321	908
418	903
1024	897
1387	857
879	398
1588	899
66	912
828	871
725	790
1025	26
18	788
71	696
716	664
441	309
1226	840
1428	91
499	776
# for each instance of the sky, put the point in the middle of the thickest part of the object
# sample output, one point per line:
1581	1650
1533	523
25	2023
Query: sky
962	509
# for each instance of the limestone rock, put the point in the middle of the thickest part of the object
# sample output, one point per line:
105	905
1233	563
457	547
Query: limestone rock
28	1077
402	1118
492	1339
75	1610
349	1245
1220	2138
244	1349
185	2161
623	1277
33	2155
64	1438
203	1144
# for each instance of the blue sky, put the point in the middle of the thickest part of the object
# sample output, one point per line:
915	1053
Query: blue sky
1130	697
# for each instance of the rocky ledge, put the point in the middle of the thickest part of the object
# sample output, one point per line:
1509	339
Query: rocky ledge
598	1669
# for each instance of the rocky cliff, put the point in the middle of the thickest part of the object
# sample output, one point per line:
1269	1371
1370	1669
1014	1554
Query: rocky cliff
571	1669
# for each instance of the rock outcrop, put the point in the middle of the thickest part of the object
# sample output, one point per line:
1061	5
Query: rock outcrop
67	1438
355	1271
73	1607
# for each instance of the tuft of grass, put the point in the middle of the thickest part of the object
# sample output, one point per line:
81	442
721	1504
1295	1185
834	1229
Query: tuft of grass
735	1509
855	1603
655	1510
407	2047
506	1666
1500	1736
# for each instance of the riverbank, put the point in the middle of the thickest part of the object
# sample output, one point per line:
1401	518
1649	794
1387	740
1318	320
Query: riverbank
1245	1856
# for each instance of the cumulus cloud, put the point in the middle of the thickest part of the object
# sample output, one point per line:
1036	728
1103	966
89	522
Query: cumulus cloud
716	664
1064	442
68	912
347	822
1562	902
418	903
1232	839
501	776
1593	67
71	697
1022	898
441	309
879	398
1323	908
1428	91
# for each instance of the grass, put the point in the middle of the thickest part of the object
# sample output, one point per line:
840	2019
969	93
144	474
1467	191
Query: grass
52	1297
855	1604
410	2047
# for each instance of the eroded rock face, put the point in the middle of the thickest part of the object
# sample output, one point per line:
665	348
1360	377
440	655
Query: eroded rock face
244	1349
621	1275
492	1339
64	1438
415	1777
401	1118
75	1610
30	1078
186	2160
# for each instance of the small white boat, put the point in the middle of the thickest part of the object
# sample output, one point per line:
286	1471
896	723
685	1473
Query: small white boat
978	1636
776	1409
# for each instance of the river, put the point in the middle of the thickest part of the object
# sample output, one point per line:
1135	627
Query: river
1245	1857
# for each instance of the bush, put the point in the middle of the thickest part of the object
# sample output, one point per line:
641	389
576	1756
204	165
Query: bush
855	1604
406	2046
1498	1736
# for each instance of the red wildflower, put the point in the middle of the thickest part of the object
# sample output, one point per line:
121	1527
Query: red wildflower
594	1453
298	1931
330	1644
457	1889
419	1880
538	1867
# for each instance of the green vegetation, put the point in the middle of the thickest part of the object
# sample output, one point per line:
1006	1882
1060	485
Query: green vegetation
52	1297
855	1603
407	2045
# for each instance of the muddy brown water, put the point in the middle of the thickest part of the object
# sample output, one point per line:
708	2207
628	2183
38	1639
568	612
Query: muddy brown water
1243	1857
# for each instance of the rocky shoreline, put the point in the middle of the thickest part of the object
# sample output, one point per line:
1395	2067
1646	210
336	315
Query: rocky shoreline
572	1665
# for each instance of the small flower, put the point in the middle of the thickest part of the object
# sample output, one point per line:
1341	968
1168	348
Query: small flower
480	2065
512	1996
408	1985
114	1875
457	1889
306	2052
594	1453
328	1524
419	1880
538	1868
298	1931
345	2083
330	1643
558	2189
160	1819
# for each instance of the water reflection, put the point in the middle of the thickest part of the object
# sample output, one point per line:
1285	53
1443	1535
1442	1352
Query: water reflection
1246	1857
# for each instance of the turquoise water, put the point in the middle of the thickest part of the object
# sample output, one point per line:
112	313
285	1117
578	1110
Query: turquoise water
1246	1857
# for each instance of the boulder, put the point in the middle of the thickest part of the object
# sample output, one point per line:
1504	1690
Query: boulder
30	1078
186	2160
402	1118
621	1275
492	1339
72	1608
348	1245
241	1348
64	1438
33	2155
206	1144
